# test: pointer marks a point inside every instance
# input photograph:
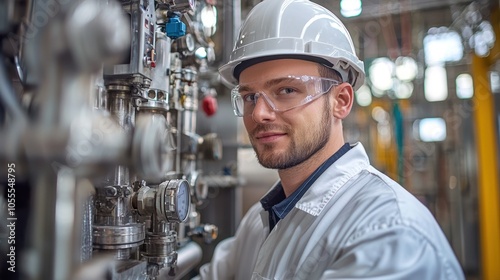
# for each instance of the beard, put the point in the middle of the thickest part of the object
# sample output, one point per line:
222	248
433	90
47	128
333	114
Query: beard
300	150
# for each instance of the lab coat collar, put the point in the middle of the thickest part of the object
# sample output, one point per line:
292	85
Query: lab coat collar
333	179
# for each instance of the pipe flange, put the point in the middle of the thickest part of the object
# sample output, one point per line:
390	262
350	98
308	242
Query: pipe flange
144	196
118	237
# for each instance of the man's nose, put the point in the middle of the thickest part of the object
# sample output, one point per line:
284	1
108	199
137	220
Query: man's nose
263	111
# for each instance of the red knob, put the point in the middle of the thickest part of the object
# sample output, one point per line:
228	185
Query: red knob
209	105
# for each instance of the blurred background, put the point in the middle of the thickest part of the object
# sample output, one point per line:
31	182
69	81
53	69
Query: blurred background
112	114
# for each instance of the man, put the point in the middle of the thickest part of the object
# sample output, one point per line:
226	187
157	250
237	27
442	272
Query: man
331	215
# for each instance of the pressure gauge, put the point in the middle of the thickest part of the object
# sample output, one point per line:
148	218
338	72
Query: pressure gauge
183	198
173	201
200	188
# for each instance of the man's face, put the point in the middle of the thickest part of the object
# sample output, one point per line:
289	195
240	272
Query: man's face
286	139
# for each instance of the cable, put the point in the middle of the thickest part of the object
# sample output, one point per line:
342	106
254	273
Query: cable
2	114
7	95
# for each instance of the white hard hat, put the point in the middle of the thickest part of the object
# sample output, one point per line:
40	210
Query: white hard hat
276	29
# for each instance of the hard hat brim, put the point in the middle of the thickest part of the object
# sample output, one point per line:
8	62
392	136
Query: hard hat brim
291	48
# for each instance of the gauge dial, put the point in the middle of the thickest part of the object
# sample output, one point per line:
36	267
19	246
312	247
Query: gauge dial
175	201
182	204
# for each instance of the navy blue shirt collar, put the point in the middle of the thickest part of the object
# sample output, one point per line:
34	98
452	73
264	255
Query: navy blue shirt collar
276	202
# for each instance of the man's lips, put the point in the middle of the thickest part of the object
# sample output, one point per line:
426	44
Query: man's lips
266	137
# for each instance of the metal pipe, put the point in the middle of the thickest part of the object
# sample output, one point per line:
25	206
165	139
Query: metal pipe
179	138
188	257
120	106
488	179
232	22
55	229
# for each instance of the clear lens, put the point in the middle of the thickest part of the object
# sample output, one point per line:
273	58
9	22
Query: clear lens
281	94
237	103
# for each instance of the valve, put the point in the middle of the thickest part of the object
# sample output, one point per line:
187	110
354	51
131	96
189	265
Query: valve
175	28
170	201
209	105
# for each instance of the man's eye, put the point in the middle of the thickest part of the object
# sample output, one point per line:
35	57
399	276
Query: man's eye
249	97
287	91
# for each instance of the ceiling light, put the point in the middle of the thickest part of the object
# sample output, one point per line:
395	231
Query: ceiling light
406	68
435	84
380	73
464	86
350	8
364	96
431	129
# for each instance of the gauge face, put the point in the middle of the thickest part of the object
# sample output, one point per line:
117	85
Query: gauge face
190	44
183	197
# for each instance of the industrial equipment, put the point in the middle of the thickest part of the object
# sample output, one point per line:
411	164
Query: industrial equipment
98	121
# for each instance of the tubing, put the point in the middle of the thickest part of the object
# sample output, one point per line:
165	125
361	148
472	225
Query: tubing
7	95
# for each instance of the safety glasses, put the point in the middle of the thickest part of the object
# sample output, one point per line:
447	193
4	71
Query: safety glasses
281	94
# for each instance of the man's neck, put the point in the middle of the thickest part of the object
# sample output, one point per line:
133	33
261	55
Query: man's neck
291	178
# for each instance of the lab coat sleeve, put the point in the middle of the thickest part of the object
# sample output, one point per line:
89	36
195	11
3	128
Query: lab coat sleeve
221	266
235	257
395	253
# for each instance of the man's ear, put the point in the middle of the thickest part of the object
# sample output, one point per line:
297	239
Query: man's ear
344	99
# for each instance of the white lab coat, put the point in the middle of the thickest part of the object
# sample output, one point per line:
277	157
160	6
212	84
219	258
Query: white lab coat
354	222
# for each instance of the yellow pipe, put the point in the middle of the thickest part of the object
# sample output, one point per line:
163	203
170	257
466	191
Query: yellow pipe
486	142
377	147
487	151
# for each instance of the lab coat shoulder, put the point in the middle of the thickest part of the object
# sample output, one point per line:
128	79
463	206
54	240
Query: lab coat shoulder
235	257
385	232
355	222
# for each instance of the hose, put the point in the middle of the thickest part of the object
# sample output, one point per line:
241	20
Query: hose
8	102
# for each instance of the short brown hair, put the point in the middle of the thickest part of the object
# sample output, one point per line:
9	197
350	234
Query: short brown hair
329	73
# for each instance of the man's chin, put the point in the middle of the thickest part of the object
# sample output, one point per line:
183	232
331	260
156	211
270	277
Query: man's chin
273	161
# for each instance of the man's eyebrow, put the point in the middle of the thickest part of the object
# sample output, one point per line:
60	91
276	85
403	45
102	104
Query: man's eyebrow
277	81
269	83
244	87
